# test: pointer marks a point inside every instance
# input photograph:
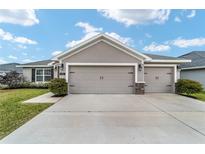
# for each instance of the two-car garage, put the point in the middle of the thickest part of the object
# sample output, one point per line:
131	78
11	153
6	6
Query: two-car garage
118	79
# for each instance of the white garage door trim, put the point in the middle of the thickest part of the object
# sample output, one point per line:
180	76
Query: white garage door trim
165	65
102	64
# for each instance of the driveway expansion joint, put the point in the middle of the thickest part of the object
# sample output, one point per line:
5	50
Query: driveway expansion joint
182	122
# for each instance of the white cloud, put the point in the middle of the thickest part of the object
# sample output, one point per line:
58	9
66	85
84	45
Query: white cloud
0	46
20	17
24	54
90	31
148	35
21	46
125	40
12	57
24	40
6	36
135	17
27	60
55	53
156	47
87	28
192	14
177	19
184	43
2	61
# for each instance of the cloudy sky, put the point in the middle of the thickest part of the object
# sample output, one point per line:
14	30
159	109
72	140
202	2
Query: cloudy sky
30	35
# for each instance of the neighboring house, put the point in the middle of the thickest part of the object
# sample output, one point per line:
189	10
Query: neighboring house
196	69
40	71
105	65
6	68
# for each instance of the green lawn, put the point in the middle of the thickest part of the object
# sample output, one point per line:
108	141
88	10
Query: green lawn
199	96
13	113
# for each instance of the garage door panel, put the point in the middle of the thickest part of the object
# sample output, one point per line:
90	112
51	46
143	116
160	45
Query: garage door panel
159	79
87	79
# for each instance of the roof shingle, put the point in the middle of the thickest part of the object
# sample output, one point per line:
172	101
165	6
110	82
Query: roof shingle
43	62
197	57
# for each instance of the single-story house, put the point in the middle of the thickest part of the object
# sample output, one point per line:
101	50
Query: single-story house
6	68
196	69
104	65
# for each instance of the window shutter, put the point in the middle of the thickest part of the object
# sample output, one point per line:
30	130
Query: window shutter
52	73
33	75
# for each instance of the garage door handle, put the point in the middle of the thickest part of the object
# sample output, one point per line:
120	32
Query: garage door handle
72	86
130	72
130	86
169	85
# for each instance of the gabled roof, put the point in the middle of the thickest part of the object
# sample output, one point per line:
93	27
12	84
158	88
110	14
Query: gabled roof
42	63
107	39
160	57
198	60
10	67
166	59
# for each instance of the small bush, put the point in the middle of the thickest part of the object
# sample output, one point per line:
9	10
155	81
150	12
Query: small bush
26	85
3	86
39	85
59	87
185	86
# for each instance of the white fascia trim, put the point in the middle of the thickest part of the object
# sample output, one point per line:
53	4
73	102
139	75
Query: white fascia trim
169	61
192	68
101	64
52	63
160	65
109	38
33	66
165	65
136	73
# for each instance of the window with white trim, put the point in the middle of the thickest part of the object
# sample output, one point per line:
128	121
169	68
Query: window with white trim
43	74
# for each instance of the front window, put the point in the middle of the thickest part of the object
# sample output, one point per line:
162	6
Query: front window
43	74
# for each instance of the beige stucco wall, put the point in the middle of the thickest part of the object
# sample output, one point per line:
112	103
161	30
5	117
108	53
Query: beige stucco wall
102	53
27	74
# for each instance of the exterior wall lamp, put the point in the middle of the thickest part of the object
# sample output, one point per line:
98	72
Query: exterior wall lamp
140	67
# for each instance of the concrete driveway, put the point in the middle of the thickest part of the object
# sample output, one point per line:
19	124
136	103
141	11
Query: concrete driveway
150	118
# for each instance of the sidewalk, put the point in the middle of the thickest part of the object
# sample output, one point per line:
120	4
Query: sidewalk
45	98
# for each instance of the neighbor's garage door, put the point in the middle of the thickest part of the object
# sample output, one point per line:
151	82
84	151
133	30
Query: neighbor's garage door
159	79
101	80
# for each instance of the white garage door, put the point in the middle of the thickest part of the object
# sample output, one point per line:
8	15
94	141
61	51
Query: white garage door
159	79
101	80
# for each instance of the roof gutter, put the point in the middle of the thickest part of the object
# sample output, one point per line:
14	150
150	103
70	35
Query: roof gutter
168	61
33	66
192	68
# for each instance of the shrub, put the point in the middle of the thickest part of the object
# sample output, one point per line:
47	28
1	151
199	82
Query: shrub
39	85
185	86
11	79
59	87
3	86
26	85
